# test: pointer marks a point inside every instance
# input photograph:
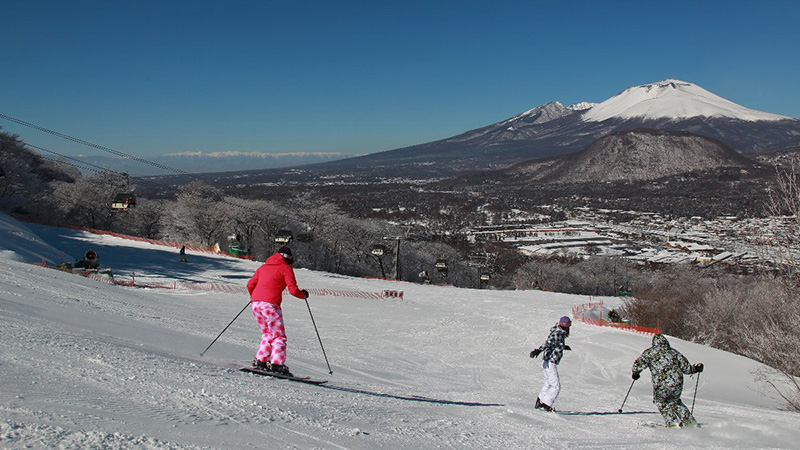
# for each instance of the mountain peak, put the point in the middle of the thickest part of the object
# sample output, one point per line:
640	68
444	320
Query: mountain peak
582	106
672	99
542	114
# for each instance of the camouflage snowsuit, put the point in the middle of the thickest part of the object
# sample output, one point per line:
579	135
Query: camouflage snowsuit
667	367
552	351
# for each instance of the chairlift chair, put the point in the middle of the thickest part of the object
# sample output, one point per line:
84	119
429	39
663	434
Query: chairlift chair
441	265
283	236
485	277
123	201
379	249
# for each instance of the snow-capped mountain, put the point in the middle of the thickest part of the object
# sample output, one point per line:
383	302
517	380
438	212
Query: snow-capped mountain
672	99
554	129
542	114
582	106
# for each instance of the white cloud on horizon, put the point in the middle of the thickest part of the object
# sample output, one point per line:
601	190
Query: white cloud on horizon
228	154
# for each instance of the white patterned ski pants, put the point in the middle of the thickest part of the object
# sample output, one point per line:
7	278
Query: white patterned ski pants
552	384
273	340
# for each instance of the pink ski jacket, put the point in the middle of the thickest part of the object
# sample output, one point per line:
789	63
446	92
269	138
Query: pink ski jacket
269	281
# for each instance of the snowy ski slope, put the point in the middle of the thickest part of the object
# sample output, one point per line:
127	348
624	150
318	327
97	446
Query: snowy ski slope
89	365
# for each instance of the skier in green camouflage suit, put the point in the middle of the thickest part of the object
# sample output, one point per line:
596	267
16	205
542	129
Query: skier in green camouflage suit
667	367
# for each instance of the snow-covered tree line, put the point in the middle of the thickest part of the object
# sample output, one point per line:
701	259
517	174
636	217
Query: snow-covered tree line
202	215
25	177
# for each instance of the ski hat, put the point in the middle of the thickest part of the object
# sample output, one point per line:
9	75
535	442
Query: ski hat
286	252
565	321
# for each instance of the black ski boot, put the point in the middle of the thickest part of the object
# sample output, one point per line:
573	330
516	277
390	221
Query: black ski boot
281	369
263	365
540	405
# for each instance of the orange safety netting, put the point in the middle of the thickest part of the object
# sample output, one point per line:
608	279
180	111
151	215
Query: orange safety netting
579	312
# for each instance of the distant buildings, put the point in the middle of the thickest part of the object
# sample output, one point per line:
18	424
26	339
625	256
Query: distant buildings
652	239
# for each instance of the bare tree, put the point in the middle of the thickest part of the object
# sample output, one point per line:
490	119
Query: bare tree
256	223
784	199
24	177
314	212
87	201
198	214
145	220
776	340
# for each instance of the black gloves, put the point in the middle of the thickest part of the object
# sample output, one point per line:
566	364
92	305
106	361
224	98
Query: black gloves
567	347
535	352
305	292
698	368
635	375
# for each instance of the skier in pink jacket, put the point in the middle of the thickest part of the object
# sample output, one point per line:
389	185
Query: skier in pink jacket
266	294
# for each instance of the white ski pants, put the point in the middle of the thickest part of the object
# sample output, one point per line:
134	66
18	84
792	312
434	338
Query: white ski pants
552	384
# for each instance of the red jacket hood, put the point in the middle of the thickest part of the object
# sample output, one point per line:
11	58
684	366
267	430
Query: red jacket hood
275	260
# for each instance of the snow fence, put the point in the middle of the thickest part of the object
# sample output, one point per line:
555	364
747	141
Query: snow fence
595	313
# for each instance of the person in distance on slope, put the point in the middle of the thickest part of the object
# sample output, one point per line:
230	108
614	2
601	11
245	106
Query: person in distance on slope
266	294
552	351
667	367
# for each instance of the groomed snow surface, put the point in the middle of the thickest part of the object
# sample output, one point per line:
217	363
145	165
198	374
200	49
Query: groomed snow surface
89	365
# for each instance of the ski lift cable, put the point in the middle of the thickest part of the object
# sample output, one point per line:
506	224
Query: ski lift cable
84	163
76	165
86	166
118	153
90	144
143	181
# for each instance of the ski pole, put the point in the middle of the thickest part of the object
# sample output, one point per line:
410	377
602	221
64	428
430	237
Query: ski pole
226	328
626	396
695	393
318	338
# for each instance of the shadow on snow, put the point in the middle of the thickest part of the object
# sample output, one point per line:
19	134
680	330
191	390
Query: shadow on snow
602	413
412	398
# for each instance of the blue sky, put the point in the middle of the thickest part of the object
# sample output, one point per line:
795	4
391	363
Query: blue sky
151	77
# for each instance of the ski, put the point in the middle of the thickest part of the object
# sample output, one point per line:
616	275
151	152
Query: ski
282	376
652	424
601	413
